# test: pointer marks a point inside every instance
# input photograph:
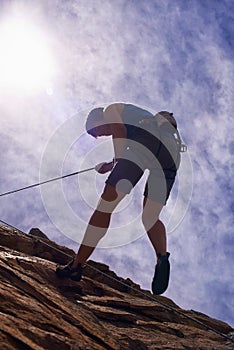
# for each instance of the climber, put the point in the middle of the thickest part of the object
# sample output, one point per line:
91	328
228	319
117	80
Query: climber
141	141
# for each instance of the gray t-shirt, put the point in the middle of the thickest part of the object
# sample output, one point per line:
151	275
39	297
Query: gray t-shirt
132	115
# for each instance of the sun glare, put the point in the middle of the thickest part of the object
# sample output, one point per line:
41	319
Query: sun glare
26	62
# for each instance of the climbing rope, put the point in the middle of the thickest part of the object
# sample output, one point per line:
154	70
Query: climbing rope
150	297
45	182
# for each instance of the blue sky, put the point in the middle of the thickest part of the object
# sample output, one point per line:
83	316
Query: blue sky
173	55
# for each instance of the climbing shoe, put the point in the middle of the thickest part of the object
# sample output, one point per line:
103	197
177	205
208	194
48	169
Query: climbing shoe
161	275
67	271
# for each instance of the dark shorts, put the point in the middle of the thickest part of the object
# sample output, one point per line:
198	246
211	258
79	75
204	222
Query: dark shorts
130	168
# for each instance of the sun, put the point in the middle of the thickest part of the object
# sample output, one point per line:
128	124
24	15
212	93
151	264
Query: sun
26	62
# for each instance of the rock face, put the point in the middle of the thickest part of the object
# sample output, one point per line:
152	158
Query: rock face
102	311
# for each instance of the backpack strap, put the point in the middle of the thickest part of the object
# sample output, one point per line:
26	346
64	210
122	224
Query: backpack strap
182	147
175	134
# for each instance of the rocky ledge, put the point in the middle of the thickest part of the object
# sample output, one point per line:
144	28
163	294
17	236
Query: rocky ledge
101	312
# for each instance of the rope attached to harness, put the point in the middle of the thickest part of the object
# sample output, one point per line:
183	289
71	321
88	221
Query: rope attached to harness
45	182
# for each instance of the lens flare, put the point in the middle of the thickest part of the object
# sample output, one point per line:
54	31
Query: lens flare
26	63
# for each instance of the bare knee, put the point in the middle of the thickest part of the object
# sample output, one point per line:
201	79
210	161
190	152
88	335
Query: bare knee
149	221
110	198
150	214
109	193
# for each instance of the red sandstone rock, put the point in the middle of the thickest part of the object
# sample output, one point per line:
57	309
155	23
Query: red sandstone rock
40	311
